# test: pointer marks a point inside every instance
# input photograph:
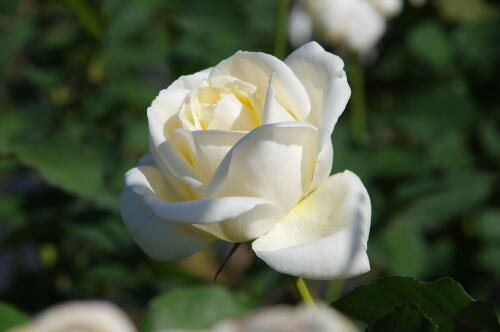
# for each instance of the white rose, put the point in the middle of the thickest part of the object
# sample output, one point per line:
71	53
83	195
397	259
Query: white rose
88	316
357	25
388	8
320	318
242	152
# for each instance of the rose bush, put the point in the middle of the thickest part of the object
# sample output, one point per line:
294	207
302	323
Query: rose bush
242	152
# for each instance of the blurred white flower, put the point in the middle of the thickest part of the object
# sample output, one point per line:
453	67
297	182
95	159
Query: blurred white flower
354	24
388	8
287	319
81	316
301	30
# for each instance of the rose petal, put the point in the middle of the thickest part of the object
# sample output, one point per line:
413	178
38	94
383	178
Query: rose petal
246	226
325	236
159	238
273	111
162	116
176	170
168	102
274	162
234	219
204	150
256	68
324	164
324	79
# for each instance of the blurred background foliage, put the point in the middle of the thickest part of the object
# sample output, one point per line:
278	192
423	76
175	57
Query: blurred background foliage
76	79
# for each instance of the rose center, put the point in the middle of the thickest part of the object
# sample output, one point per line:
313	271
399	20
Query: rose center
223	103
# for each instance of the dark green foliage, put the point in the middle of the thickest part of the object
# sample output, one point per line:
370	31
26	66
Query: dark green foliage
76	77
405	304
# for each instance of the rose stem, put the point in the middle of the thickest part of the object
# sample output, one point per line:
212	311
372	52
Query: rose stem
280	41
358	106
304	291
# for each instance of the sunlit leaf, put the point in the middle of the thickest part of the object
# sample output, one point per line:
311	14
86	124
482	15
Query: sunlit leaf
64	163
193	307
10	317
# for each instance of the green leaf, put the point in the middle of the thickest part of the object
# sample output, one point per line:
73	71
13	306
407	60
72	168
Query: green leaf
396	245
452	197
425	114
489	136
193	307
12	124
394	161
429	43
400	300
10	317
65	163
407	318
488	225
451	152
477	49
489	257
477	316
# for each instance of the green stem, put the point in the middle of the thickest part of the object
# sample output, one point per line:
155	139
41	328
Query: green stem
358	103
280	41
304	291
87	15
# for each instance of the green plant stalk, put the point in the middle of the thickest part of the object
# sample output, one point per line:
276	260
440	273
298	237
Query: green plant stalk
304	291
87	16
280	41
358	102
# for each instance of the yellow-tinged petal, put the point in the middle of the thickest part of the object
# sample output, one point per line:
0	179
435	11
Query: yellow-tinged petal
325	236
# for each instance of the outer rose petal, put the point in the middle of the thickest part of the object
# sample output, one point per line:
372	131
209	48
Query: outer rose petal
323	76
163	207
325	236
160	239
256	68
176	170
274	162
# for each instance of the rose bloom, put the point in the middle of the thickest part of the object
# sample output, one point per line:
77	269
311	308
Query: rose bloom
80	316
356	25
320	318
242	152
